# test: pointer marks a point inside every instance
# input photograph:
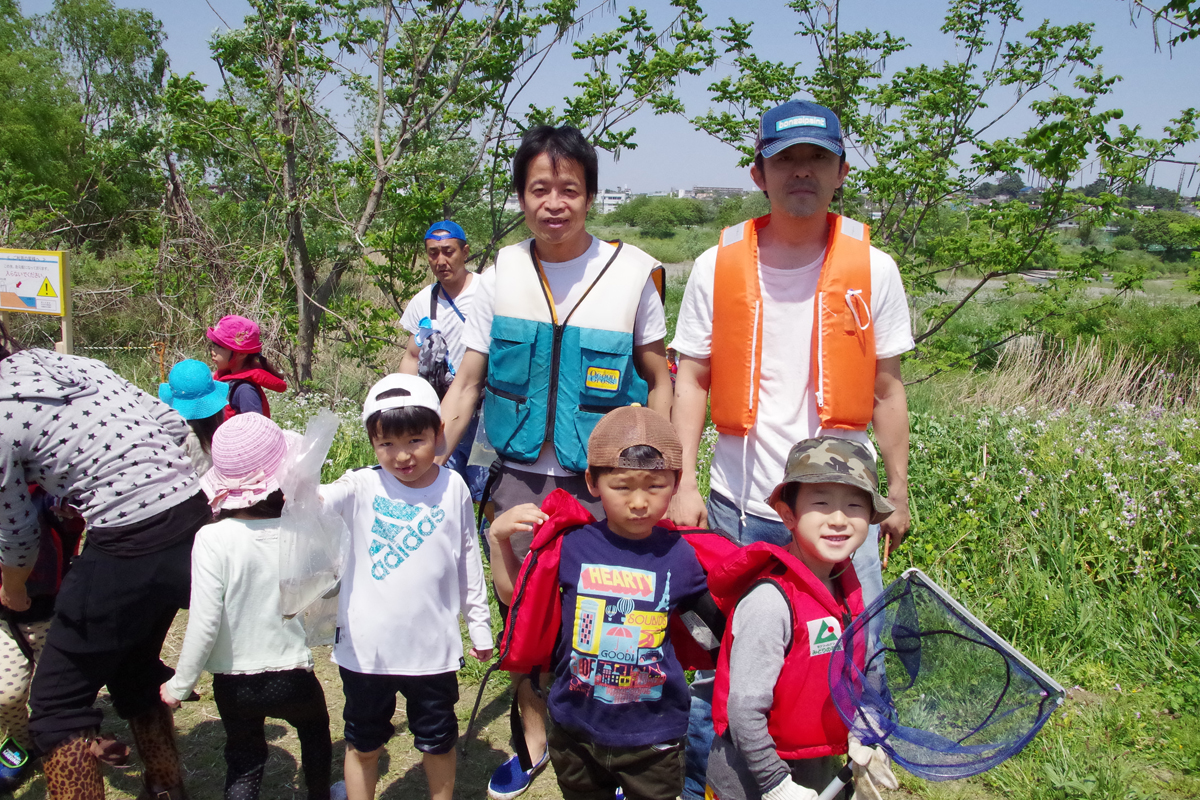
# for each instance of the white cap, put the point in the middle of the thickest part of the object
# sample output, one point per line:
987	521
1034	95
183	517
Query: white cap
420	393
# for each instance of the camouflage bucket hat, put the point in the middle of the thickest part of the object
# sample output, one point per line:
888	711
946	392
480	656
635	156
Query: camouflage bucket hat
831	459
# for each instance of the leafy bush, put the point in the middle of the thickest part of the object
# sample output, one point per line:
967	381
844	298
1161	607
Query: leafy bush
1125	242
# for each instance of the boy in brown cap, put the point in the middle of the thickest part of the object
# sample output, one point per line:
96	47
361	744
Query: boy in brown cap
619	702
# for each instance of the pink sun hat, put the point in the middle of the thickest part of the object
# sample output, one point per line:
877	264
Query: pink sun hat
238	334
247	453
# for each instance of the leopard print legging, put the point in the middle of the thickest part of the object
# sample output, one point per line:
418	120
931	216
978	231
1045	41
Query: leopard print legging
15	675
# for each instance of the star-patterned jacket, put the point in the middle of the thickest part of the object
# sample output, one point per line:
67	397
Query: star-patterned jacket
88	435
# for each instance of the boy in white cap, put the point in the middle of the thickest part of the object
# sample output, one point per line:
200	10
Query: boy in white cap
414	565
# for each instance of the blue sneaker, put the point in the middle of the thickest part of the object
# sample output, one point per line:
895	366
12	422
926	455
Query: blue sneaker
509	780
620	794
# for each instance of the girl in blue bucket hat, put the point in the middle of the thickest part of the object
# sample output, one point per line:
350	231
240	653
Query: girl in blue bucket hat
191	390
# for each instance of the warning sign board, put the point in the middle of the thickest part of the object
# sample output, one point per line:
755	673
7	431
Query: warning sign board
32	281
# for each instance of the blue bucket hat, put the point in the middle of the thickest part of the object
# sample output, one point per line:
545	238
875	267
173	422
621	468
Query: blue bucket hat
446	230
191	390
798	122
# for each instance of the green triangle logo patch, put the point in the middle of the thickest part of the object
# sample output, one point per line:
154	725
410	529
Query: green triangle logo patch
823	635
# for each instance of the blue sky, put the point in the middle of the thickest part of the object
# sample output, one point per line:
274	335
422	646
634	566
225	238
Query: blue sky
671	154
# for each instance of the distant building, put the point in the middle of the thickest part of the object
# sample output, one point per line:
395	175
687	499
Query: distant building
1144	209
608	200
716	192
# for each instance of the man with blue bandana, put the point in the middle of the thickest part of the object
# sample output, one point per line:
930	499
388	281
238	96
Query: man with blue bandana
443	307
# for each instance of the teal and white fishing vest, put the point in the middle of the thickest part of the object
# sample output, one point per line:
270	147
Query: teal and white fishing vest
551	379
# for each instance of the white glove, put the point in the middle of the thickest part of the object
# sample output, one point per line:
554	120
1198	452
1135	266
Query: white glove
790	790
872	770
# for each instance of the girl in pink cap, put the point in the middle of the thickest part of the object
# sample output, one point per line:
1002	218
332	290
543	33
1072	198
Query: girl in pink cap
261	664
237	357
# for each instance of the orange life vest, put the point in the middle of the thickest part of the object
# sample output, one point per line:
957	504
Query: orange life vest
843	337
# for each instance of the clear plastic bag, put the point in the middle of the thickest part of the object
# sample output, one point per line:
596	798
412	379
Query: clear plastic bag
313	543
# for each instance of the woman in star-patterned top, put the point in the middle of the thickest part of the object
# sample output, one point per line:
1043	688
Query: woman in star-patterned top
90	437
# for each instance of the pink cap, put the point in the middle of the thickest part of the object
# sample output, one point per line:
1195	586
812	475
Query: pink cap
237	334
247	452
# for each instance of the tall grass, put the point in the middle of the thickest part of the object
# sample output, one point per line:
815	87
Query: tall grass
1045	372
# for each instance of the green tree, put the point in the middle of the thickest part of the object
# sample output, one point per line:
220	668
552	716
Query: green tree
1171	230
1010	184
38	131
115	61
1181	18
440	113
1095	188
657	221
923	130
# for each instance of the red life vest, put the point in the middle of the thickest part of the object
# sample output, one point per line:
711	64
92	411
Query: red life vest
802	721
535	614
843	337
258	378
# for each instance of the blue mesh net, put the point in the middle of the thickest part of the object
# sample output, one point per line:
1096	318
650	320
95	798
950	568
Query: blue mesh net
944	696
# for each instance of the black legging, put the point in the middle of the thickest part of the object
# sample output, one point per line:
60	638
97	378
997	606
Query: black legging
245	701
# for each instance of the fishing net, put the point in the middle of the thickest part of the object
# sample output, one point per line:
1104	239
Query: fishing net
941	693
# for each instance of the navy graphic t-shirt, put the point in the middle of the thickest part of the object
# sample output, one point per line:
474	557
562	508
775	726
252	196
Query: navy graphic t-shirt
618	682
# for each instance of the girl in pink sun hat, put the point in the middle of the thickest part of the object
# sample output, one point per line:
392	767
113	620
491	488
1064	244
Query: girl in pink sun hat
237	358
261	664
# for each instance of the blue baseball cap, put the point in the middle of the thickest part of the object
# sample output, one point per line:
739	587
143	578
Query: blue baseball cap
191	390
445	230
798	122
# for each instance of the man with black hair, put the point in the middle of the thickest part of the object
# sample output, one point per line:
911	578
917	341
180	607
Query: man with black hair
791	327
564	328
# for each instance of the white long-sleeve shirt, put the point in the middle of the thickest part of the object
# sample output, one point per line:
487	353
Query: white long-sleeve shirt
414	565
234	624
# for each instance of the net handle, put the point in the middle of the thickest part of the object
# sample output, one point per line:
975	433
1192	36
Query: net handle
839	781
1005	646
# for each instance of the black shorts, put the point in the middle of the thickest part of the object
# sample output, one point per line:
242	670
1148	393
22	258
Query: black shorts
590	771
429	705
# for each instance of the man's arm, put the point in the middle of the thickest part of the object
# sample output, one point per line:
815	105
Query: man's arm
460	402
651	363
408	361
688	415
891	430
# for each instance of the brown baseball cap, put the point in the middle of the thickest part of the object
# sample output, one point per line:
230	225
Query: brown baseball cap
832	459
626	427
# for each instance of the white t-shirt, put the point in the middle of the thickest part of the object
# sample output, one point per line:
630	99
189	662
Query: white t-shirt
414	565
234	623
449	323
568	281
746	469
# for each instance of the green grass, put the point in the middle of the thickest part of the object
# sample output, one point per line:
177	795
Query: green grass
684	245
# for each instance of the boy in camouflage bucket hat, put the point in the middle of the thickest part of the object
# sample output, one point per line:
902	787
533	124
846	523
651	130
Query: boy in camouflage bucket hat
779	737
832	459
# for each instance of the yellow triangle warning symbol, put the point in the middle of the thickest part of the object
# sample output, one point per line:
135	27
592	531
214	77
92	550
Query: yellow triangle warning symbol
47	290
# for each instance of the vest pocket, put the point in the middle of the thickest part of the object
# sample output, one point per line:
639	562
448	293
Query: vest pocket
606	358
511	354
507	402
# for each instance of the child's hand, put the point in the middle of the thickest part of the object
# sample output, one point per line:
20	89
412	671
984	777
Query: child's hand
168	698
524	517
481	655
